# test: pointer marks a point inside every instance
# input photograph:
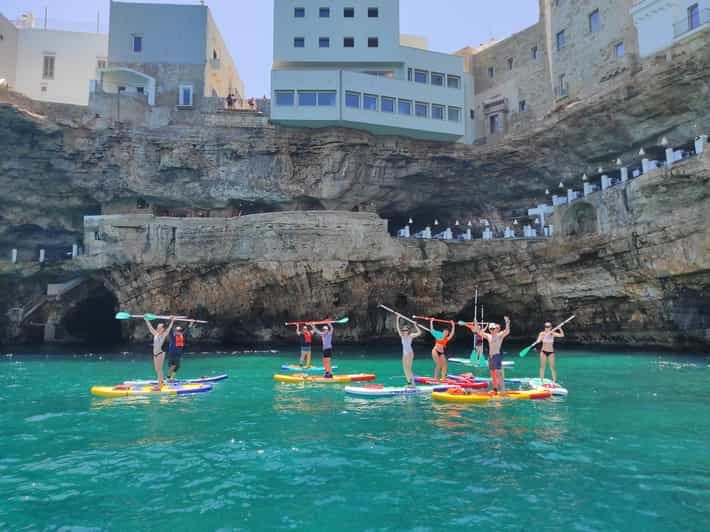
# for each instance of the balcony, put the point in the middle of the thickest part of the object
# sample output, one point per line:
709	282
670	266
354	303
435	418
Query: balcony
691	22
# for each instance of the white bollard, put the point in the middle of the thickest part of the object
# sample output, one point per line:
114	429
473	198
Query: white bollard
700	143
670	156
606	182
41	255
588	189
570	195
14	256
645	166
74	251
624	175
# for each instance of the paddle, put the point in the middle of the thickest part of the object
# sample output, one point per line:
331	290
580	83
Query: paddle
435	320
436	334
153	317
341	321
525	351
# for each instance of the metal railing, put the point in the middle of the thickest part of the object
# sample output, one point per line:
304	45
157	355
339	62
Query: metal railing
690	23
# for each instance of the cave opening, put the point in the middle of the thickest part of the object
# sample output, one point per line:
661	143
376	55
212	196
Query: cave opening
580	219
93	320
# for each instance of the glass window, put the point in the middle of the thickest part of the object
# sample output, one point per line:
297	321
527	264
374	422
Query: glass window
307	98
48	67
421	109
522	106
387	104
594	21
299	12
454	82
405	107
284	98
494	124
420	76
373	12
510	63
437	79
352	99
491	72
299	42
369	102
327	98
100	64
185	96
437	112
373	42
619	49
454	114
324	42
561	40
693	16
349	12
324	12
137	43
409	74
533	53
349	42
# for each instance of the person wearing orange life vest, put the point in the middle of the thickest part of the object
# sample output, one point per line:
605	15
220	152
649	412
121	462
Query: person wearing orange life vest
306	335
438	353
176	348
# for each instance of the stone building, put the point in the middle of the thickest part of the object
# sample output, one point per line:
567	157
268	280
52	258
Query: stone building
662	23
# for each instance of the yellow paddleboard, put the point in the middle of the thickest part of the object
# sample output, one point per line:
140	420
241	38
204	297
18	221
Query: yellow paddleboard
458	397
124	390
337	379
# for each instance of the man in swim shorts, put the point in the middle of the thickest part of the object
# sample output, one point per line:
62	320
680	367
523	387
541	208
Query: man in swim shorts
547	351
495	338
306	335
326	336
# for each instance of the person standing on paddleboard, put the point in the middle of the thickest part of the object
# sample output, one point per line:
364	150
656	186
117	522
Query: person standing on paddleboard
547	351
438	353
326	336
477	351
495	338
160	334
408	350
176	348
306	335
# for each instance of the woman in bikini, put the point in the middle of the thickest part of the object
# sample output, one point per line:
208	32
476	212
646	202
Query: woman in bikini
547	352
408	350
438	353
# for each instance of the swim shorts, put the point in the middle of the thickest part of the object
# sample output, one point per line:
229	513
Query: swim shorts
174	361
327	353
495	361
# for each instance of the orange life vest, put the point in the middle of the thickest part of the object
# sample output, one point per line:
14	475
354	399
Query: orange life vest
179	340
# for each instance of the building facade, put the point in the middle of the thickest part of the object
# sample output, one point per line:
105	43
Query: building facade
661	23
343	64
50	65
173	55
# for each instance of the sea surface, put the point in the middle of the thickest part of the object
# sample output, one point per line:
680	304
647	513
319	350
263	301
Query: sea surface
628	449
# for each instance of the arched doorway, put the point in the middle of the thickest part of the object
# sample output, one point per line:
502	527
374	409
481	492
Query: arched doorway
92	319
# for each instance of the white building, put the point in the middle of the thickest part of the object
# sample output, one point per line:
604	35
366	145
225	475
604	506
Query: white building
50	65
171	54
660	23
343	64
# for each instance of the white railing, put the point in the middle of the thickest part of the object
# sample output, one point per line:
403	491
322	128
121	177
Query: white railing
690	23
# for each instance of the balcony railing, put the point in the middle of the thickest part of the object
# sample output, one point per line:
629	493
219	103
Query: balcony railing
562	91
690	23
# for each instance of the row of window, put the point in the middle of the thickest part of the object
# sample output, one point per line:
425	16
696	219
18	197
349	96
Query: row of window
324	12
324	42
369	102
435	78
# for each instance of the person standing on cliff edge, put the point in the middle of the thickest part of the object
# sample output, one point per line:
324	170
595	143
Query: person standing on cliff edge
160	334
495	338
547	351
326	336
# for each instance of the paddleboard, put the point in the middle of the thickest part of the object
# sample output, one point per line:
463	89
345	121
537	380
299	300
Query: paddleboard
547	384
462	383
199	380
474	363
124	390
378	391
336	379
459	396
296	367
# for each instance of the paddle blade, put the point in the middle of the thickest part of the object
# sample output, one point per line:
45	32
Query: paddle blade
150	317
342	320
437	334
123	316
525	351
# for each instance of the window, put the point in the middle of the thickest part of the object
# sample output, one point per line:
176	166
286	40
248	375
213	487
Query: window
421	109
373	12
140	90
619	50
307	98
693	16
324	42
299	12
100	64
324	12
327	98
561	40
48	67
557	3
437	112
387	104
349	12
437	79
352	99
454	114
349	42
137	43
299	42
494	124
510	63
473	114
410	74
453	82
284	98
420	76
533	53
562	86
369	102
594	21
373	42
405	107
491	72
522	106
185	96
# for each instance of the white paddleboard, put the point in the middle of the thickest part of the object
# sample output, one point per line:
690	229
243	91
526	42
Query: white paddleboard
374	392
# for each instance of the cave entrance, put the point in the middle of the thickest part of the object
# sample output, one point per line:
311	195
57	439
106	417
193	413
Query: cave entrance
580	219
92	319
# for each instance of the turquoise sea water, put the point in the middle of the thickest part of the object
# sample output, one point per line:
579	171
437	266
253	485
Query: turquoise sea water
627	450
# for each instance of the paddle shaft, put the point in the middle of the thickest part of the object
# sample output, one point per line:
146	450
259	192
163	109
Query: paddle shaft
435	320
405	318
321	322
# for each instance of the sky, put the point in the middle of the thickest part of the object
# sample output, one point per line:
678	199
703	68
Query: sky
246	25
